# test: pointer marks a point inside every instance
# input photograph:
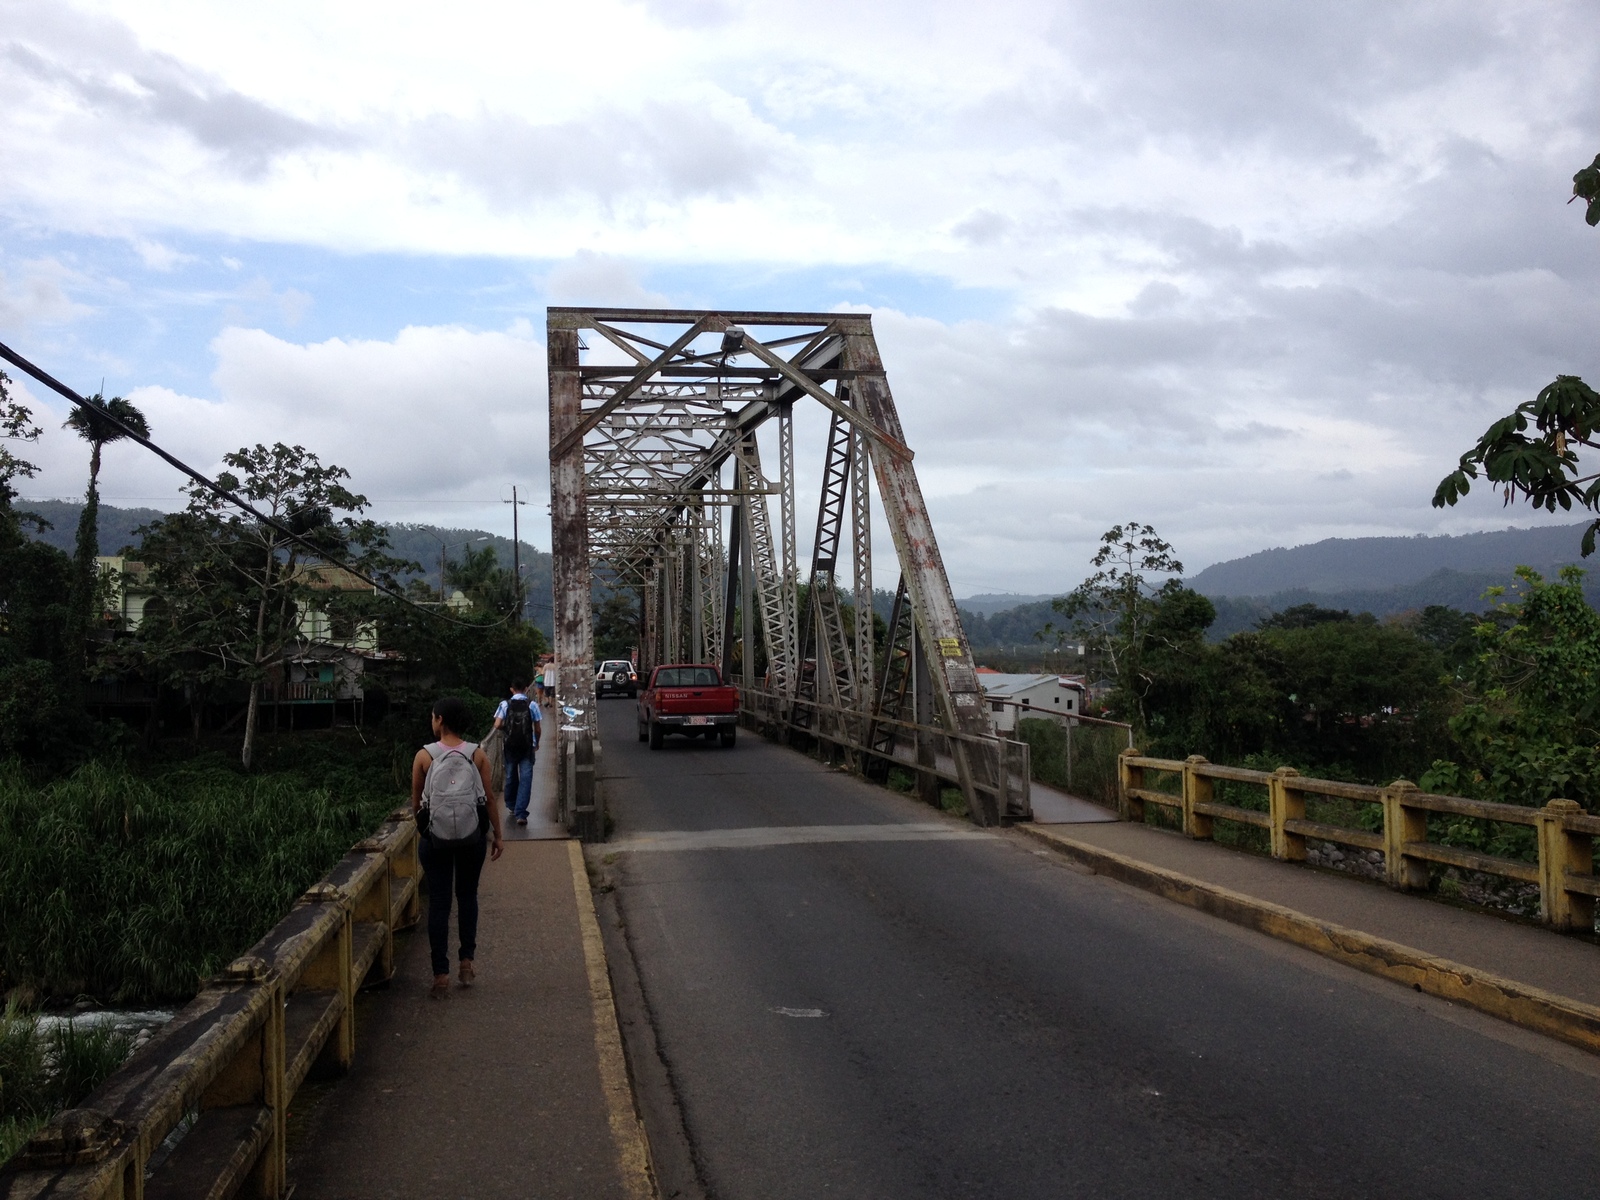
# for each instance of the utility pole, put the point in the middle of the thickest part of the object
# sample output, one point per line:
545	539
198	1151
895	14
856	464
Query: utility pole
516	553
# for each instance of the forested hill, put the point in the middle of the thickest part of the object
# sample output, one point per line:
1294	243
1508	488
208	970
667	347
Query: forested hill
1344	565
996	602
117	525
1010	629
417	543
1382	576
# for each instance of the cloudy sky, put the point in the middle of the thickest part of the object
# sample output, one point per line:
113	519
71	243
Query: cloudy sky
1253	272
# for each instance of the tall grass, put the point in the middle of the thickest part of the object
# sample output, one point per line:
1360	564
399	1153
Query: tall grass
131	887
40	1074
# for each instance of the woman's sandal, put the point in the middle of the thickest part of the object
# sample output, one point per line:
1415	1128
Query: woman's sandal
440	989
468	975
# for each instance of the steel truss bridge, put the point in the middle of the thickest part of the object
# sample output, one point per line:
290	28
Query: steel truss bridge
673	473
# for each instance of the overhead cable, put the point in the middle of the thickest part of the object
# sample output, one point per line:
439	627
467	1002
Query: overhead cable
211	485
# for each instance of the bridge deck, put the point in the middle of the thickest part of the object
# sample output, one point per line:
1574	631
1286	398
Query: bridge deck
498	1091
855	996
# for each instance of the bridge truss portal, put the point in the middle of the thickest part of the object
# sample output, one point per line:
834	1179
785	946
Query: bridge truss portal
672	473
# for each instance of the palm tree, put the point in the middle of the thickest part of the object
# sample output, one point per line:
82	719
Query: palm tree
95	425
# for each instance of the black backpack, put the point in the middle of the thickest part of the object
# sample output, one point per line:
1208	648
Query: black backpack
519	728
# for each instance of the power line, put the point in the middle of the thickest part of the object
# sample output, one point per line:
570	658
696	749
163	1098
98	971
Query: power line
127	431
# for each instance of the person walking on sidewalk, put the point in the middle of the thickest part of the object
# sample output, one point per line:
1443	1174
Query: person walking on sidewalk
453	801
519	719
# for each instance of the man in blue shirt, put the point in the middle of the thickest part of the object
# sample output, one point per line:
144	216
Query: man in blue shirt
519	719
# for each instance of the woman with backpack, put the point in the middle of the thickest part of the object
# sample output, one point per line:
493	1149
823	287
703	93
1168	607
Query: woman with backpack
453	800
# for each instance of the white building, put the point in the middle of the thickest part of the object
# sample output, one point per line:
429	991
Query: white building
1025	696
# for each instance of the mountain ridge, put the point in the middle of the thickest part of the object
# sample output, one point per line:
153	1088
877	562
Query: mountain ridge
118	531
1372	564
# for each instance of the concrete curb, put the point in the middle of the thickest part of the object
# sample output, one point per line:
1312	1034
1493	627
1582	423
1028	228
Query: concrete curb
627	1130
1544	1012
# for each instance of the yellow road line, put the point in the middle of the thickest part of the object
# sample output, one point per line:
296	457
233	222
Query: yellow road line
627	1131
1556	1016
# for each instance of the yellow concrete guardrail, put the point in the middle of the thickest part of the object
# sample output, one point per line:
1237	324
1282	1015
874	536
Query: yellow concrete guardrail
1564	871
199	1110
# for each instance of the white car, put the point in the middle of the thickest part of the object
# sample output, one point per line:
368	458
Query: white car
616	676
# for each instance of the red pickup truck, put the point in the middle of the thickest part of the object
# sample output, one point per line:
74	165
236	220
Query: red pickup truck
691	699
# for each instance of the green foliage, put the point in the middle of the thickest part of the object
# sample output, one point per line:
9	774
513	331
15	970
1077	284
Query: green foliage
43	1073
1586	186
133	886
1530	730
1093	748
101	422
1113	609
1303	616
616	625
477	652
1542	468
1566	414
16	425
1342	695
491	588
232	590
1449	631
35	580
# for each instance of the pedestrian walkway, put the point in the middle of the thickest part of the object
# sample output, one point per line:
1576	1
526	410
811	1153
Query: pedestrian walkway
542	819
1514	949
516	1087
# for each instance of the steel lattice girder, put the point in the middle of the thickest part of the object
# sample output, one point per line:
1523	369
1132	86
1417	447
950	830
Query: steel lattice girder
653	449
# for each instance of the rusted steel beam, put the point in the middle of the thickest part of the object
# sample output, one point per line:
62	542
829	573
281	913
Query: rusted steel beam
638	485
574	642
582	318
953	676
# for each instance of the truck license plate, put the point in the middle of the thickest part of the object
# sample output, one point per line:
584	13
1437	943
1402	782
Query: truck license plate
698	721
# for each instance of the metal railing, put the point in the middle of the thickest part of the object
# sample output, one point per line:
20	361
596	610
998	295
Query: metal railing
1029	712
200	1109
848	729
1564	871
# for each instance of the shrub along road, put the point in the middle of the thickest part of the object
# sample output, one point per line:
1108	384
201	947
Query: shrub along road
855	996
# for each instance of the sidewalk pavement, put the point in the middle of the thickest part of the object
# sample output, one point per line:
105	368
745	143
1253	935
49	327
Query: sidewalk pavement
1504	946
516	1087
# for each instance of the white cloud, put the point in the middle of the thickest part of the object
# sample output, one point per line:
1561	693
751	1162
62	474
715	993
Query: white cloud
434	424
1265	270
39	297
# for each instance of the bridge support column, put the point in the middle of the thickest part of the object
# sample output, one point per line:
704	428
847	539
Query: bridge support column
922	707
577	730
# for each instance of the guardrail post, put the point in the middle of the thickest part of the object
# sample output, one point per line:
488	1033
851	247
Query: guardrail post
1285	802
1129	777
372	907
332	970
1197	789
404	864
1402	824
1562	852
257	1076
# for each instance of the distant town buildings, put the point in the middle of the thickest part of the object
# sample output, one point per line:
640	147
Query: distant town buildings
1019	697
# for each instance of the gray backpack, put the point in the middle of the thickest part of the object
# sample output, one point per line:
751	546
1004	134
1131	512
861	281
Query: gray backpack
453	795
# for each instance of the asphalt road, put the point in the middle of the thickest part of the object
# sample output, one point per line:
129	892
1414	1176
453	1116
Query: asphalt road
925	1011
